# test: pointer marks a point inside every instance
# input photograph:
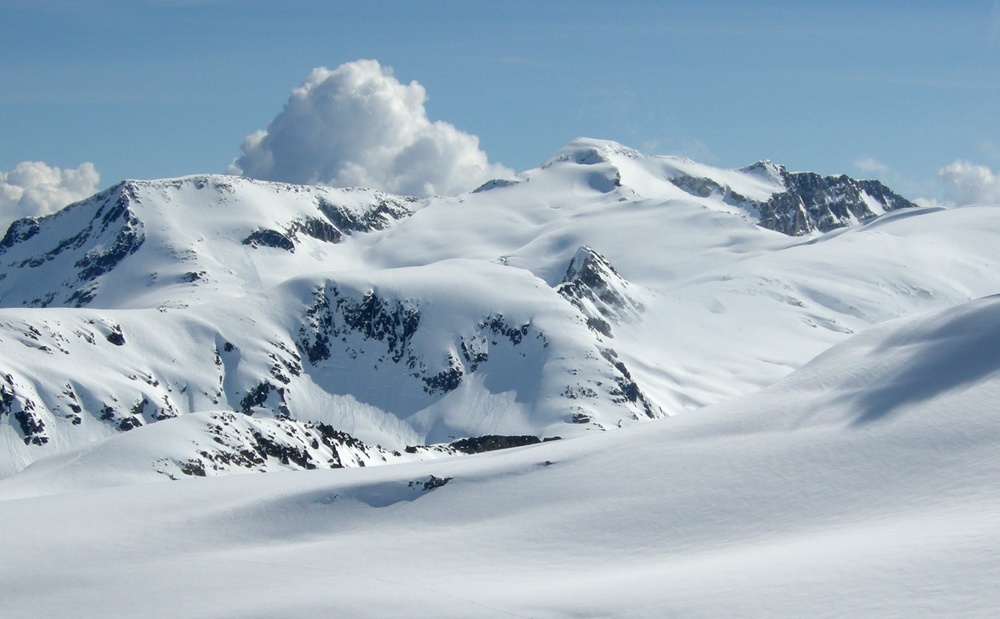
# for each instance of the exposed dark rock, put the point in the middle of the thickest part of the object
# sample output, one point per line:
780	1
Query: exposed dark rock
258	396
317	229
31	426
82	296
445	380
269	238
20	230
498	326
193	467
810	202
283	452
128	240
430	483
6	394
573	393
116	336
380	320
595	288
492	442
285	365
129	423
314	334
74	403
626	389
107	413
474	353
496	183
334	316
377	217
290	443
113	233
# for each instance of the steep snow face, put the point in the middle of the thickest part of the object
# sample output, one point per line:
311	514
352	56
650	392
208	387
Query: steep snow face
864	484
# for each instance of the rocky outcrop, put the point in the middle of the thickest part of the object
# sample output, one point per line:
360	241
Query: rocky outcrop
378	216
381	330
808	202
595	288
109	236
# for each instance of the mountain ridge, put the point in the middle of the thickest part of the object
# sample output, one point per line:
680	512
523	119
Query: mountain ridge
584	295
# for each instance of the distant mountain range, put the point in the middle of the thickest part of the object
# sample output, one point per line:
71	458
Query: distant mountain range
229	324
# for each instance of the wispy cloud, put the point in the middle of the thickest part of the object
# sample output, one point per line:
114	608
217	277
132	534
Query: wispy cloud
359	126
870	165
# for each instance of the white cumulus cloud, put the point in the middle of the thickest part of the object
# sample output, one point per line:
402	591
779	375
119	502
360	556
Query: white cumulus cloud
34	188
971	184
359	126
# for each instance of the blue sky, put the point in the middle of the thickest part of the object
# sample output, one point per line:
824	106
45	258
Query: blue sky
159	88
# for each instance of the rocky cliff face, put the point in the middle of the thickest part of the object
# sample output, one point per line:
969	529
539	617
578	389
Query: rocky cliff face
805	202
822	203
105	231
595	288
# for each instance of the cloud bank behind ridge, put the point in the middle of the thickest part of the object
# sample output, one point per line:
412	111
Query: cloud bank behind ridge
35	189
359	126
971	184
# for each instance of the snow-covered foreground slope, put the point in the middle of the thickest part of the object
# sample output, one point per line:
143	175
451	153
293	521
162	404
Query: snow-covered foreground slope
864	484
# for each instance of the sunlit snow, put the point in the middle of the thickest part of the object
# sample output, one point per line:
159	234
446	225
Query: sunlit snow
751	423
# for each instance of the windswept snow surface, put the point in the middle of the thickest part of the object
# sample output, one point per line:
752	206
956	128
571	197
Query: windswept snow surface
864	484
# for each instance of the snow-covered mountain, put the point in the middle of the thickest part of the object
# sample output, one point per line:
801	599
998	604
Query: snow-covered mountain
348	327
773	390
795	203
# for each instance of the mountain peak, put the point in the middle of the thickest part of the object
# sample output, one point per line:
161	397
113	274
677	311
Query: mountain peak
594	287
590	151
766	169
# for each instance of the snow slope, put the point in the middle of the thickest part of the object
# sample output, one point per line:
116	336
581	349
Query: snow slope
864	484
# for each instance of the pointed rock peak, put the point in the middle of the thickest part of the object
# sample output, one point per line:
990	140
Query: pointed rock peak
767	170
595	288
590	267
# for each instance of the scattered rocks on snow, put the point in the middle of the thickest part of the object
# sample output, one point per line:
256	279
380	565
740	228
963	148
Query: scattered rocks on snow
430	483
